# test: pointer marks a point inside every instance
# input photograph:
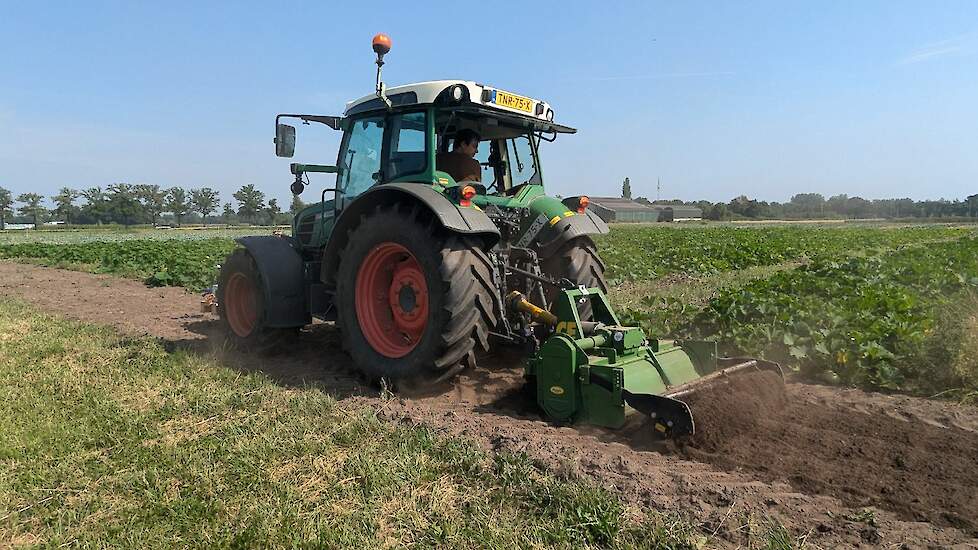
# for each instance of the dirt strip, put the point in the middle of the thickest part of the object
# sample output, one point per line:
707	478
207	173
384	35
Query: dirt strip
813	464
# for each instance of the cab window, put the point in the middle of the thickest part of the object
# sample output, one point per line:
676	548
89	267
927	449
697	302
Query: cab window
408	151
488	172
360	156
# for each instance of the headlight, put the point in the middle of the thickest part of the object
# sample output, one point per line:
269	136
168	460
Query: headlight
458	92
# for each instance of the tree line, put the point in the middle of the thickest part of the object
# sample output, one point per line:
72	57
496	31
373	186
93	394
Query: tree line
809	206
125	204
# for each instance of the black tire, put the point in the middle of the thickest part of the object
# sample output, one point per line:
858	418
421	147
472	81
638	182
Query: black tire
240	265
463	305
578	261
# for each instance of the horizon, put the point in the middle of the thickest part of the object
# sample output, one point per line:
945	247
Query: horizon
872	100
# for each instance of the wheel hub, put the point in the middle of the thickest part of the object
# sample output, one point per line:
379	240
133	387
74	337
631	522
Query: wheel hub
407	299
391	300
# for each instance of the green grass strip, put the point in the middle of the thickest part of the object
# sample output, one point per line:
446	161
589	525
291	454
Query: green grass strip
109	441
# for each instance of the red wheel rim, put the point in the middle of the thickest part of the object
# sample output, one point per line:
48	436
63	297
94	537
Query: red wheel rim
240	305
392	300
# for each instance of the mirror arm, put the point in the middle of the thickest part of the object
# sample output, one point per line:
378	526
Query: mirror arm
299	169
331	121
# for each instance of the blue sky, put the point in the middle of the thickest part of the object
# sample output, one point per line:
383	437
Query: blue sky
870	98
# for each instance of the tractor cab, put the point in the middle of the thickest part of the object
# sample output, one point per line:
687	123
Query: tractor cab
402	142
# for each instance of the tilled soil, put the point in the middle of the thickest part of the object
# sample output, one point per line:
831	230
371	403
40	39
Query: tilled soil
921	471
813	458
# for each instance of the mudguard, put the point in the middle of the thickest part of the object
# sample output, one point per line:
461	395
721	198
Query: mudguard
551	236
465	220
280	266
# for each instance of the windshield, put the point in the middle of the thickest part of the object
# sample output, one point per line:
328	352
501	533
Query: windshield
506	152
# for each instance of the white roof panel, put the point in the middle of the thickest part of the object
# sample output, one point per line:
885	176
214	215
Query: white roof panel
480	94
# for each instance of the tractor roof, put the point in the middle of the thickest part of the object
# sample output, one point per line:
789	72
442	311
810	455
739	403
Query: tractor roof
479	97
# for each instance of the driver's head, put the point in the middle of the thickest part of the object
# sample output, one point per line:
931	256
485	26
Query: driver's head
466	142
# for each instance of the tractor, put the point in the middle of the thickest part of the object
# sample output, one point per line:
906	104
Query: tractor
421	272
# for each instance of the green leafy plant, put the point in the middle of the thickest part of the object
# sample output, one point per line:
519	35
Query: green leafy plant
187	263
863	321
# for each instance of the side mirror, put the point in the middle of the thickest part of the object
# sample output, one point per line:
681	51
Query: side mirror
284	140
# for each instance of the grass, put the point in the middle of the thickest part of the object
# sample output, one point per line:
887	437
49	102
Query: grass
110	441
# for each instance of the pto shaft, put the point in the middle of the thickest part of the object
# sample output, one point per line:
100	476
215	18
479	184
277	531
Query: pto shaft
517	302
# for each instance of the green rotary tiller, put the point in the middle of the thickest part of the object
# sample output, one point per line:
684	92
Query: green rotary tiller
598	371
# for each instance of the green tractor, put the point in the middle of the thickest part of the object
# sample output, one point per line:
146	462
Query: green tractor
420	271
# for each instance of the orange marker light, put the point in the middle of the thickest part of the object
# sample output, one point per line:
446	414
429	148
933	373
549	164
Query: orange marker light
582	204
382	44
467	193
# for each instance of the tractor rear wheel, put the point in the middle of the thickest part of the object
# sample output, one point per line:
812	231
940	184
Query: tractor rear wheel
413	301
576	260
241	305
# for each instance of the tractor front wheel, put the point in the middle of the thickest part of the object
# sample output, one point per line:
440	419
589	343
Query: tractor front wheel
241	305
413	301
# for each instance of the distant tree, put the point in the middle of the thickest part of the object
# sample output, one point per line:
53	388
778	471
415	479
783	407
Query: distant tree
96	205
296	206
123	206
808	205
204	201
837	204
250	202
32	206
153	200
972	205
272	211
64	203
858	207
904	208
6	201
717	211
228	212
626	189
176	203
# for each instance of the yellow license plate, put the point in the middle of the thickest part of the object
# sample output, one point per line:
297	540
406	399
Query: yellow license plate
514	102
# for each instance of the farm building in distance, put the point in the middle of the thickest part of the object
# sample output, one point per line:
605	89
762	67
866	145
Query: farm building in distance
617	209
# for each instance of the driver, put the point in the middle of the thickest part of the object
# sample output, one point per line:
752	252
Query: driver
460	162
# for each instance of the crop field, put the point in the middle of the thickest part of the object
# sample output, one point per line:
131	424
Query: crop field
859	305
864	306
163	432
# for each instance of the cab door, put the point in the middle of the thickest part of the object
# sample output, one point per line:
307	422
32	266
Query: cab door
359	159
381	148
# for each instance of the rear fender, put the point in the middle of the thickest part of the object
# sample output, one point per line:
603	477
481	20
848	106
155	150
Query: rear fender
450	216
280	266
557	231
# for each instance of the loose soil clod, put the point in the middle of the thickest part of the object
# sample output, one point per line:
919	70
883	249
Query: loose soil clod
920	471
734	410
